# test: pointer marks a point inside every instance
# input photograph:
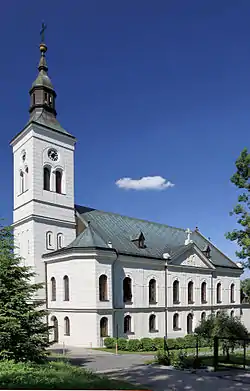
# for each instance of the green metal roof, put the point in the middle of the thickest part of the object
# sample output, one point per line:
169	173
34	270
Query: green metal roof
159	238
45	119
88	238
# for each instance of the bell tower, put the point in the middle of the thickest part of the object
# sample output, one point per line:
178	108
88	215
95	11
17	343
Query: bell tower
43	154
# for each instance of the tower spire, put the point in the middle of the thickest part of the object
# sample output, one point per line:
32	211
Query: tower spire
42	92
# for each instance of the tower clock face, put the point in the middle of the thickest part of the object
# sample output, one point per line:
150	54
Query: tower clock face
53	155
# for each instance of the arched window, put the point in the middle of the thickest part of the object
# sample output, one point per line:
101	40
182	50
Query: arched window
176	322
127	290
190	292
103	288
203	293
55	329
203	316
66	288
53	289
66	326
46	178
152	323
232	314
218	293
152	291
21	182
26	180
176	292
104	327
232	291
59	241
58	181
49	240
217	314
127	324
189	324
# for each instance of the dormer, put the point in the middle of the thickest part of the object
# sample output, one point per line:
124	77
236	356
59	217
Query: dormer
139	240
207	251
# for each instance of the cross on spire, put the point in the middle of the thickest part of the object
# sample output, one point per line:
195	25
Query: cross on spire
44	26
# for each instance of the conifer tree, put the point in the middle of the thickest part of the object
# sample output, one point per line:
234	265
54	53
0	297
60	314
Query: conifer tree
23	329
241	235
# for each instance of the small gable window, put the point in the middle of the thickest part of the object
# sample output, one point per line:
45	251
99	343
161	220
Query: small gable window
46	178
139	240
152	291
127	290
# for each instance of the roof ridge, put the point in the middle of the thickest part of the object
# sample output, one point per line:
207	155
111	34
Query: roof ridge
129	217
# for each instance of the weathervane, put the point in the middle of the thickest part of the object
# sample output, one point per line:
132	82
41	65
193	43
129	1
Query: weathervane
44	26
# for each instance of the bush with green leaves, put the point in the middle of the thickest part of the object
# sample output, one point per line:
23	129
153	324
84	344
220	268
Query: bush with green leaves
148	345
162	358
55	376
109	343
122	344
134	345
158	343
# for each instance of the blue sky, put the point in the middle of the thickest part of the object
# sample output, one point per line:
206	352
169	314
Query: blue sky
149	88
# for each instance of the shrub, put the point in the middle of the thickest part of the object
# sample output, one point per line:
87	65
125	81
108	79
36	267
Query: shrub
134	345
162	358
171	343
147	344
189	341
122	344
179	342
56	375
158	343
109	343
178	359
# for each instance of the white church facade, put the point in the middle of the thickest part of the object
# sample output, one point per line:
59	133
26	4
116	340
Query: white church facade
106	274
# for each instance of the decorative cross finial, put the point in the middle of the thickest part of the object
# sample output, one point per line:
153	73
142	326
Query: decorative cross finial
188	240
44	26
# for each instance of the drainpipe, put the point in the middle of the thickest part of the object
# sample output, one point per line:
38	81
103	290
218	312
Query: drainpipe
166	302
46	295
115	324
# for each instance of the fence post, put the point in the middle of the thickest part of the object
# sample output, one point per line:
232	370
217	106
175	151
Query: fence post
216	353
244	354
197	346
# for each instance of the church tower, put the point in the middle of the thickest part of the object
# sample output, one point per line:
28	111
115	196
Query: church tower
44	215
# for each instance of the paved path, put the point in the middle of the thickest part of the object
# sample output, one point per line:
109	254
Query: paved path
157	378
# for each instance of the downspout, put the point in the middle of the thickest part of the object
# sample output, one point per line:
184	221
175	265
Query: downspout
166	301
115	324
46	296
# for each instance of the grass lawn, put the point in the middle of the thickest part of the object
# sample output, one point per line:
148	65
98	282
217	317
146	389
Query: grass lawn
56	375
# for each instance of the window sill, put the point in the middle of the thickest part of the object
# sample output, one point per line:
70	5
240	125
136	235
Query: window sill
105	336
127	302
177	329
232	302
152	302
204	302
191	302
219	302
176	302
153	331
66	335
129	333
104	300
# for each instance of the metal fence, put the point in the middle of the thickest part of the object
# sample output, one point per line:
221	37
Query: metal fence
231	353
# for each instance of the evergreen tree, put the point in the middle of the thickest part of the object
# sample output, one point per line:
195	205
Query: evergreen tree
241	179
23	329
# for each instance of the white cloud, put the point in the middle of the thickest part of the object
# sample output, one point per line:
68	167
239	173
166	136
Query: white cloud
144	183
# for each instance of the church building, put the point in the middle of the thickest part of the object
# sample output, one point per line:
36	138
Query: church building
105	274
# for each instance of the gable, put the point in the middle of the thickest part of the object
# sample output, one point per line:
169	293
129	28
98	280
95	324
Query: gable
191	256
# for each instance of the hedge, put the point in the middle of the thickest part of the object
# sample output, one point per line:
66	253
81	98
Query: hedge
154	344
